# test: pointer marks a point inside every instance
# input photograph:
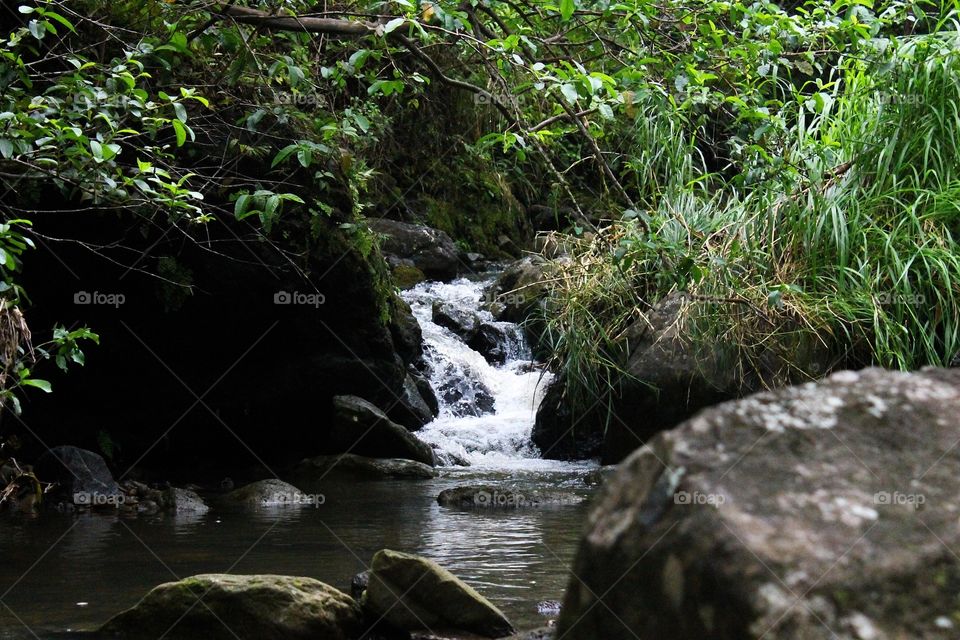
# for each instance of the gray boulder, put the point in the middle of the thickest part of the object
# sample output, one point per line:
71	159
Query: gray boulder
232	607
430	251
505	497
82	476
350	466
413	593
668	379
361	428
823	510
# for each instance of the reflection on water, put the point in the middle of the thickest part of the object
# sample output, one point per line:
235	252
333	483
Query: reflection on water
64	572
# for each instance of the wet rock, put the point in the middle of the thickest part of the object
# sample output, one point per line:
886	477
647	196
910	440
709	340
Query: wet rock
564	434
467	397
82	476
184	501
266	493
413	411
505	497
429	250
358	584
463	322
815	511
496	342
348	465
405	331
253	607
362	428
412	593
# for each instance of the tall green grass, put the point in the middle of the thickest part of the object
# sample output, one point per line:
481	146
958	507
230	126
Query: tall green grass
856	253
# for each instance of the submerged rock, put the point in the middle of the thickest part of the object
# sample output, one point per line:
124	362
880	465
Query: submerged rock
818	511
82	477
412	593
500	497
361	427
267	493
354	466
430	251
232	607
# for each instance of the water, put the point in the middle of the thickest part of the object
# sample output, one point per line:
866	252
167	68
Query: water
64	572
499	440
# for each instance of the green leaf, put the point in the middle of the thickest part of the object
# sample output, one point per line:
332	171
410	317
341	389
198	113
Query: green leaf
569	92
240	206
180	132
393	24
43	385
181	111
566	9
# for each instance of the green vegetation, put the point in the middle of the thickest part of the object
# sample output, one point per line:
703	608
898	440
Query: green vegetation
791	167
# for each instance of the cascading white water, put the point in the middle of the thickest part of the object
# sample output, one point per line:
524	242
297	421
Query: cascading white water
465	383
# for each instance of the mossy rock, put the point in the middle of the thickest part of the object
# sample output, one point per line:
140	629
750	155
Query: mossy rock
234	607
413	593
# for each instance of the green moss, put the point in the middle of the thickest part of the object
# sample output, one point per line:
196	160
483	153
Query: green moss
405	276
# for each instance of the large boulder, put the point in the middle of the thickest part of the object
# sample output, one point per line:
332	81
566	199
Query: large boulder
362	428
350	466
668	378
413	593
823	510
430	251
82	476
232	607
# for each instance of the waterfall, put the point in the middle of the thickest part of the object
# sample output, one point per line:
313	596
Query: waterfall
487	404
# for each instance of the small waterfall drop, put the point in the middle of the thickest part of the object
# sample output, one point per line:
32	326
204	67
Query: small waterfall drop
486	410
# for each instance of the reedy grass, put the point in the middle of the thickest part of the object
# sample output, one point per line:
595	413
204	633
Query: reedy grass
857	253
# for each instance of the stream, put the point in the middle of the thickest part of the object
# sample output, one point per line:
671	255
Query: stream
70	572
